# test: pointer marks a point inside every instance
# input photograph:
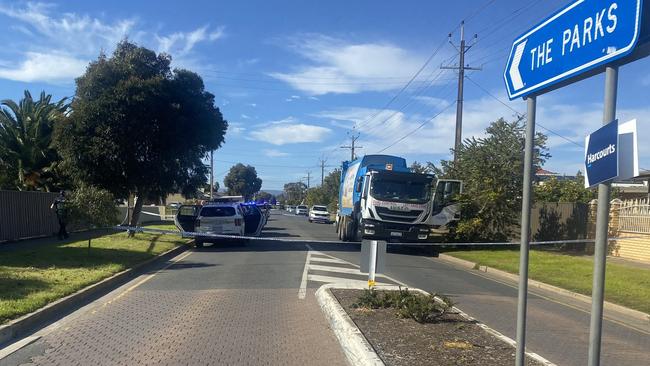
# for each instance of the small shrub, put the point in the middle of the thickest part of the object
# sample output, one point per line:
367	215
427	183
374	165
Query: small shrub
421	308
92	207
424	309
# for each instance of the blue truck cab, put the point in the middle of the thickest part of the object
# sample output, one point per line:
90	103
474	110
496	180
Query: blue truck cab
381	199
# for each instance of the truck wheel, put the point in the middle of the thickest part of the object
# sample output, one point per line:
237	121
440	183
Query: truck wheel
348	230
359	230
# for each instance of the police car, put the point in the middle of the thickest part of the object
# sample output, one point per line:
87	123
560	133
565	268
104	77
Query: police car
222	216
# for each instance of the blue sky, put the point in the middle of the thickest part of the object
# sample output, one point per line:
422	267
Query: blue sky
293	77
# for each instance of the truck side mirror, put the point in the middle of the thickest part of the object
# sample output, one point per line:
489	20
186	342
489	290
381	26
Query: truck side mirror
359	186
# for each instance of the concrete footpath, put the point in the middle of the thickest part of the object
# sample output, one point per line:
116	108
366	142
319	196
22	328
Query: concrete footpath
231	305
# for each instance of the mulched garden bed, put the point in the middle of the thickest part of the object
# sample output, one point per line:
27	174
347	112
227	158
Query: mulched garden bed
451	340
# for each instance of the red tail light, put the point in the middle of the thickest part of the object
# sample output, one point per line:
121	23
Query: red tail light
238	222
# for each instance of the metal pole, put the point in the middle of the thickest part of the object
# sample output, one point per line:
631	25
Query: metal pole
373	263
459	102
211	175
602	223
525	233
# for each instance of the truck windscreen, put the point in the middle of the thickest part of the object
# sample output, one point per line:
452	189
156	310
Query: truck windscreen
402	191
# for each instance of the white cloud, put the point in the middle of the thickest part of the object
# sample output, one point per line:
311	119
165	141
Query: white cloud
55	44
71	32
292	98
432	101
45	67
272	153
181	43
245	116
336	66
289	131
235	128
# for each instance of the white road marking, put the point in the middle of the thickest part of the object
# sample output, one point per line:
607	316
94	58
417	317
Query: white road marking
347	281
302	292
317	267
16	346
328	260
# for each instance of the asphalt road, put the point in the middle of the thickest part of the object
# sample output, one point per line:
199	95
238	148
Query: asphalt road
557	331
254	304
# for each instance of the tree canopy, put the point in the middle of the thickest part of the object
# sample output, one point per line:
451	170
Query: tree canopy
137	126
295	192
242	180
565	190
27	159
491	169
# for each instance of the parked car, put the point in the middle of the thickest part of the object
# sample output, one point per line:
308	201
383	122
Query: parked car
318	213
291	209
302	210
221	218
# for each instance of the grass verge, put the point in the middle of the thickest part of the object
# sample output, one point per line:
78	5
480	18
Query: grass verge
624	285
32	278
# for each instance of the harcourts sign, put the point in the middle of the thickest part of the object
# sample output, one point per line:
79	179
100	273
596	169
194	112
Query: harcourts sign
601	155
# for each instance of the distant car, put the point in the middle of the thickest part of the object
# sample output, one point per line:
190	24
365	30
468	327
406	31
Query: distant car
302	210
220	218
175	204
318	213
291	209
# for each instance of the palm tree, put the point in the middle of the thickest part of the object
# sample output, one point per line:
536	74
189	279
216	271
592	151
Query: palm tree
26	153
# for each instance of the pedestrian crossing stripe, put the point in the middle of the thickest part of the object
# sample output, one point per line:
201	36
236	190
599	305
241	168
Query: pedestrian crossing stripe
338	272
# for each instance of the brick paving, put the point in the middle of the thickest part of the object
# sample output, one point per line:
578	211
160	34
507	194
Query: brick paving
202	327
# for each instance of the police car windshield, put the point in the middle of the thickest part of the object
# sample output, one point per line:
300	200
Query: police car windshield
401	191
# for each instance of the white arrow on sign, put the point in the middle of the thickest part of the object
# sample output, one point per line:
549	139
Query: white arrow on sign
515	75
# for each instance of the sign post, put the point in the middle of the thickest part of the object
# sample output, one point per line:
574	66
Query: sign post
602	223
583	39
520	358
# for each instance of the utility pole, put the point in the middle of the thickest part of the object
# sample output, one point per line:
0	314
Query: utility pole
322	170
462	49
308	177
352	147
211	175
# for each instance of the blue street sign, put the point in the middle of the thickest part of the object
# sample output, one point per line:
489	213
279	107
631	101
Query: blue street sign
601	155
580	37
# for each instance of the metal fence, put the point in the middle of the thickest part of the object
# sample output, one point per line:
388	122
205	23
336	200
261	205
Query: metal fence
26	215
634	216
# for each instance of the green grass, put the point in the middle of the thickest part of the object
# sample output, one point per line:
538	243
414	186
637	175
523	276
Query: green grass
32	278
624	285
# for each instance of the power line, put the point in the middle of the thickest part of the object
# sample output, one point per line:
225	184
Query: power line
416	129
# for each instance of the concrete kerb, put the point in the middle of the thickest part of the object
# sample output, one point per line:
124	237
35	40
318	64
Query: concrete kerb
639	316
50	312
356	347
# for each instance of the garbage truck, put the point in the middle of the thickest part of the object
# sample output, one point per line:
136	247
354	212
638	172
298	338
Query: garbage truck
380	198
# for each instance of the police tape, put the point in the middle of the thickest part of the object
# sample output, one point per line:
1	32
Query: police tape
204	236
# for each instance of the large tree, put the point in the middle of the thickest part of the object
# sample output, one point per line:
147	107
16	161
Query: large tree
491	169
295	192
139	128
242	180
27	159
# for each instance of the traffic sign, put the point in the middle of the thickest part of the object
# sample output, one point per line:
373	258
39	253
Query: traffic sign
579	38
601	155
